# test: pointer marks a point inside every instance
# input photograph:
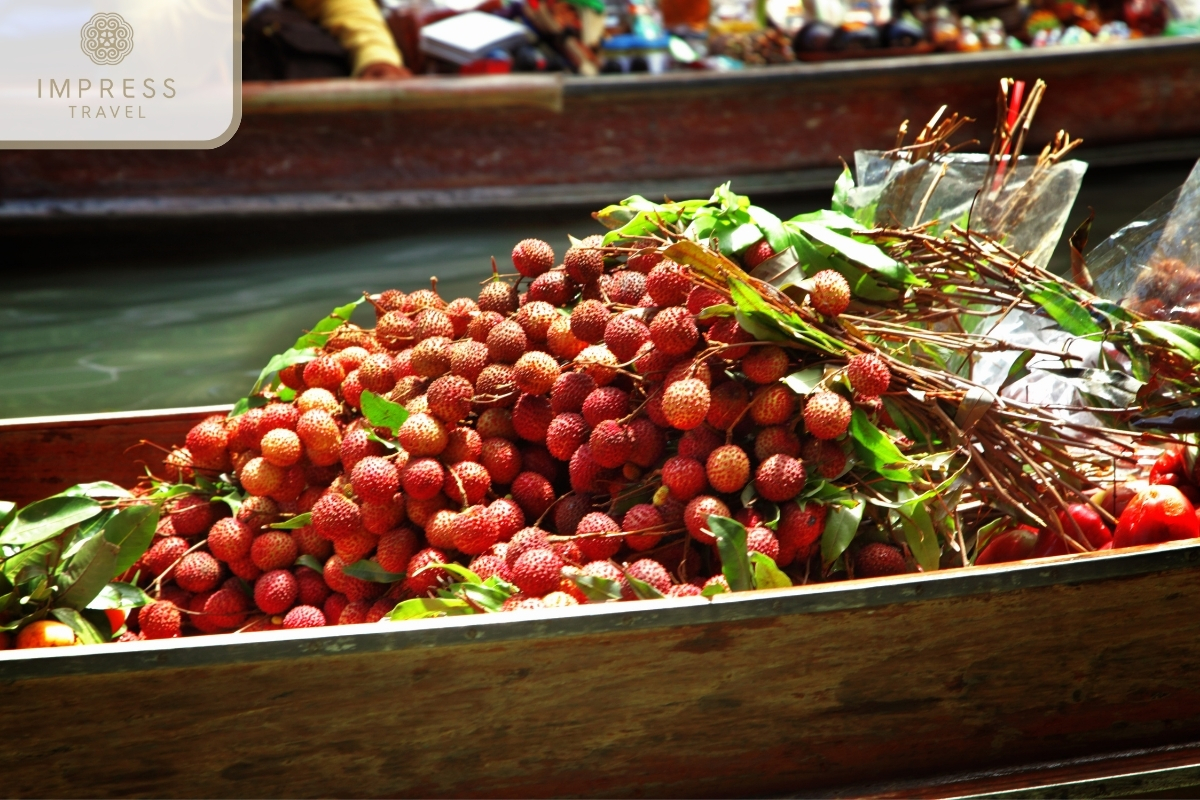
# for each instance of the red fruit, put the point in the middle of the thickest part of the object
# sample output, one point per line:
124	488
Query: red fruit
594	547
475	531
696	514
552	287
1156	514
668	284
501	459
565	434
607	402
649	571
779	478
247	434
523	541
673	330
533	493
163	554
775	439
396	549
487	565
643	517
375	480
532	257
207	441
606	569
244	568
499	297
585	472
190	514
727	404
304	617
761	540
324	372
649	442
773	405
699	443
877	560
507	516
700	298
355	613
728	469
260	477
830	293
376	373
431	322
537	572
685	403
449	398
570	511
335	516
610	443
1081	523
531	417
627	287
275	591
569	392
354	547
354	588
226	608
624	335
764	365
1014	545
431	357
422	435
440	528
684	477
334	606
684	590
535	372
356	446
462	444
160	620
281	447
198	572
757	253
643	262
827	414
311	586
799	530
869	374
274	550
726	331
589	320
496	387
467	483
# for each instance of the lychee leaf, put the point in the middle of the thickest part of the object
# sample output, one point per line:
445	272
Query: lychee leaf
489	598
47	518
841	526
919	533
876	451
749	494
99	490
131	530
771	227
841	192
281	361
311	562
425	607
319	335
598	589
731	546
714	590
767	574
120	595
371	571
383	413
641	589
719	310
454	569
7	509
87	572
804	381
298	521
85	630
867	255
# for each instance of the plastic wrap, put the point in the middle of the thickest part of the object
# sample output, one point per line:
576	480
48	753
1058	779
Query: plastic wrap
1152	265
1028	214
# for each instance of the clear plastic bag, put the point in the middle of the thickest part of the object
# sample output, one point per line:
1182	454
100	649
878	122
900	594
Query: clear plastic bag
1152	265
1028	214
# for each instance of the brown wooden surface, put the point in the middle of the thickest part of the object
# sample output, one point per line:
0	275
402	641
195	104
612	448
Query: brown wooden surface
437	142
803	691
40	456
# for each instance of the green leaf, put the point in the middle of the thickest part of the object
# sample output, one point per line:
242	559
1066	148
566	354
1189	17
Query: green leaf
767	574
87	572
641	589
7	510
247	403
424	607
919	533
714	590
841	192
719	310
1064	309
597	588
841	526
383	413
867	255
99	490
30	562
1182	339
731	546
488	597
804	381
132	531
454	569
1018	370
86	631
298	521
771	227
371	571
312	563
830	218
47	518
782	270
120	595
876	451
319	335
281	361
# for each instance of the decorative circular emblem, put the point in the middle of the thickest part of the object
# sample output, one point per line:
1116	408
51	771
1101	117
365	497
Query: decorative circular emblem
106	39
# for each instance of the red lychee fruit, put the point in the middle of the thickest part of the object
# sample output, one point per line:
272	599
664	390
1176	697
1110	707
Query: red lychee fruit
685	403
696	514
449	398
830	293
475	532
273	550
422	435
226	608
501	459
668	284
757	253
281	447
876	560
569	511
423	478
773	405
335	516
481	325
799	530
432	322
605	403
727	331
523	541
643	517
569	392
728	469
627	287
565	434
275	591
589	320
533	493
869	374
356	446
532	257
312	588
553	287
595	547
160	620
643	262
650	571
699	442
584	263
537	572
462	444
560	341
229	539
507	516
190	514
779	478
702	297
375	480
396	549
610	443
761	540
431	357
827	414
163	554
673	330
467	482
460	311
198	572
684	477
585	471
764	365
649	442
625	334
684	590
535	372
324	372
728	401
304	617
496	387
499	297
207	441
776	439
468	359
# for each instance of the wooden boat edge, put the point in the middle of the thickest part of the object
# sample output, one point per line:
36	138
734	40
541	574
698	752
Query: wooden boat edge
598	620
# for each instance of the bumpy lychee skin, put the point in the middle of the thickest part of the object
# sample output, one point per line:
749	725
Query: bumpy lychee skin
281	447
226	608
696	514
536	372
685	403
773	405
422	435
644	262
606	402
561	341
532	257
553	287
431	357
507	342
523	541
593	547
475	532
375	480
275	591
668	284
775	439
495	388
190	514
727	331
728	468
487	565
869	374
432	322
565	434
229	539
460	311
700	298
449	398
467	482
589	320
649	442
684	477
827	414
198	572
499	297
481	325
585	472
625	334
610	443
462	444
757	253
779	478
650	571
728	401
335	516
273	550
468	358
537	572
673	330
533	494
160	620
877	560
761	540
423	478
643	517
627	287
830	293
584	264
764	365
699	442
163	553
207	441
569	392
599	362
304	617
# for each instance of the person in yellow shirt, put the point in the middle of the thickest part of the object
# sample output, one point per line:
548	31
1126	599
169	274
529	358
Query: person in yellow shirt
359	27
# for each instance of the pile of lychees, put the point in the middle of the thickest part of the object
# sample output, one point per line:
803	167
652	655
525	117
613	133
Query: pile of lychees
583	420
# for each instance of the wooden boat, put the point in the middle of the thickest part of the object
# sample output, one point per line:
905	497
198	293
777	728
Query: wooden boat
538	140
1074	676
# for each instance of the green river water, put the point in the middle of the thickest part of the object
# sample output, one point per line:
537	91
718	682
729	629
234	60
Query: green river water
192	322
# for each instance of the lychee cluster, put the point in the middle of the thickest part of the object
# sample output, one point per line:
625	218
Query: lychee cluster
586	419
